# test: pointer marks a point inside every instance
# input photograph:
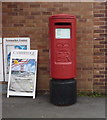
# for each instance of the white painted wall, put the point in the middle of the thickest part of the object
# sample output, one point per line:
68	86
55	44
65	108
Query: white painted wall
1	62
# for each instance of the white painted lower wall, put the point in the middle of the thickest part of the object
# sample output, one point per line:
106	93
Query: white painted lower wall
1	62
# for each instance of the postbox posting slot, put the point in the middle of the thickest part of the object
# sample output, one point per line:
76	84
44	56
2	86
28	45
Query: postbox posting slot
62	23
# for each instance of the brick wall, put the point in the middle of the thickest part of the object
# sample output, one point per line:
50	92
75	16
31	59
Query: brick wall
31	20
106	51
99	46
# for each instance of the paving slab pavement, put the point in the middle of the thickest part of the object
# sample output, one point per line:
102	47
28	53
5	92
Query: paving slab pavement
26	107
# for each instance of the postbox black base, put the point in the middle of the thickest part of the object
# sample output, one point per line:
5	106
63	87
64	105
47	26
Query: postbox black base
63	92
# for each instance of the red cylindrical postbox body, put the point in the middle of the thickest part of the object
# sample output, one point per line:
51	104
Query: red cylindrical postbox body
62	30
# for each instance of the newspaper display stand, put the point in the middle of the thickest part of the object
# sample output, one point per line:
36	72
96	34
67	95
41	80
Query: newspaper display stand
10	44
22	73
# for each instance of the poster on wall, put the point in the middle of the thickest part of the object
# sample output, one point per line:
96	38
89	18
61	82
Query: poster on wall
11	44
1	61
22	73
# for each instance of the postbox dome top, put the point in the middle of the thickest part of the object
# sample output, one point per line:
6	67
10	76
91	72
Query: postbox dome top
63	16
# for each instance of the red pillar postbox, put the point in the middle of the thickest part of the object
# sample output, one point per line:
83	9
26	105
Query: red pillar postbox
62	30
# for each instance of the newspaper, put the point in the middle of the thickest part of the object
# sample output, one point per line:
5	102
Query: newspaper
22	75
